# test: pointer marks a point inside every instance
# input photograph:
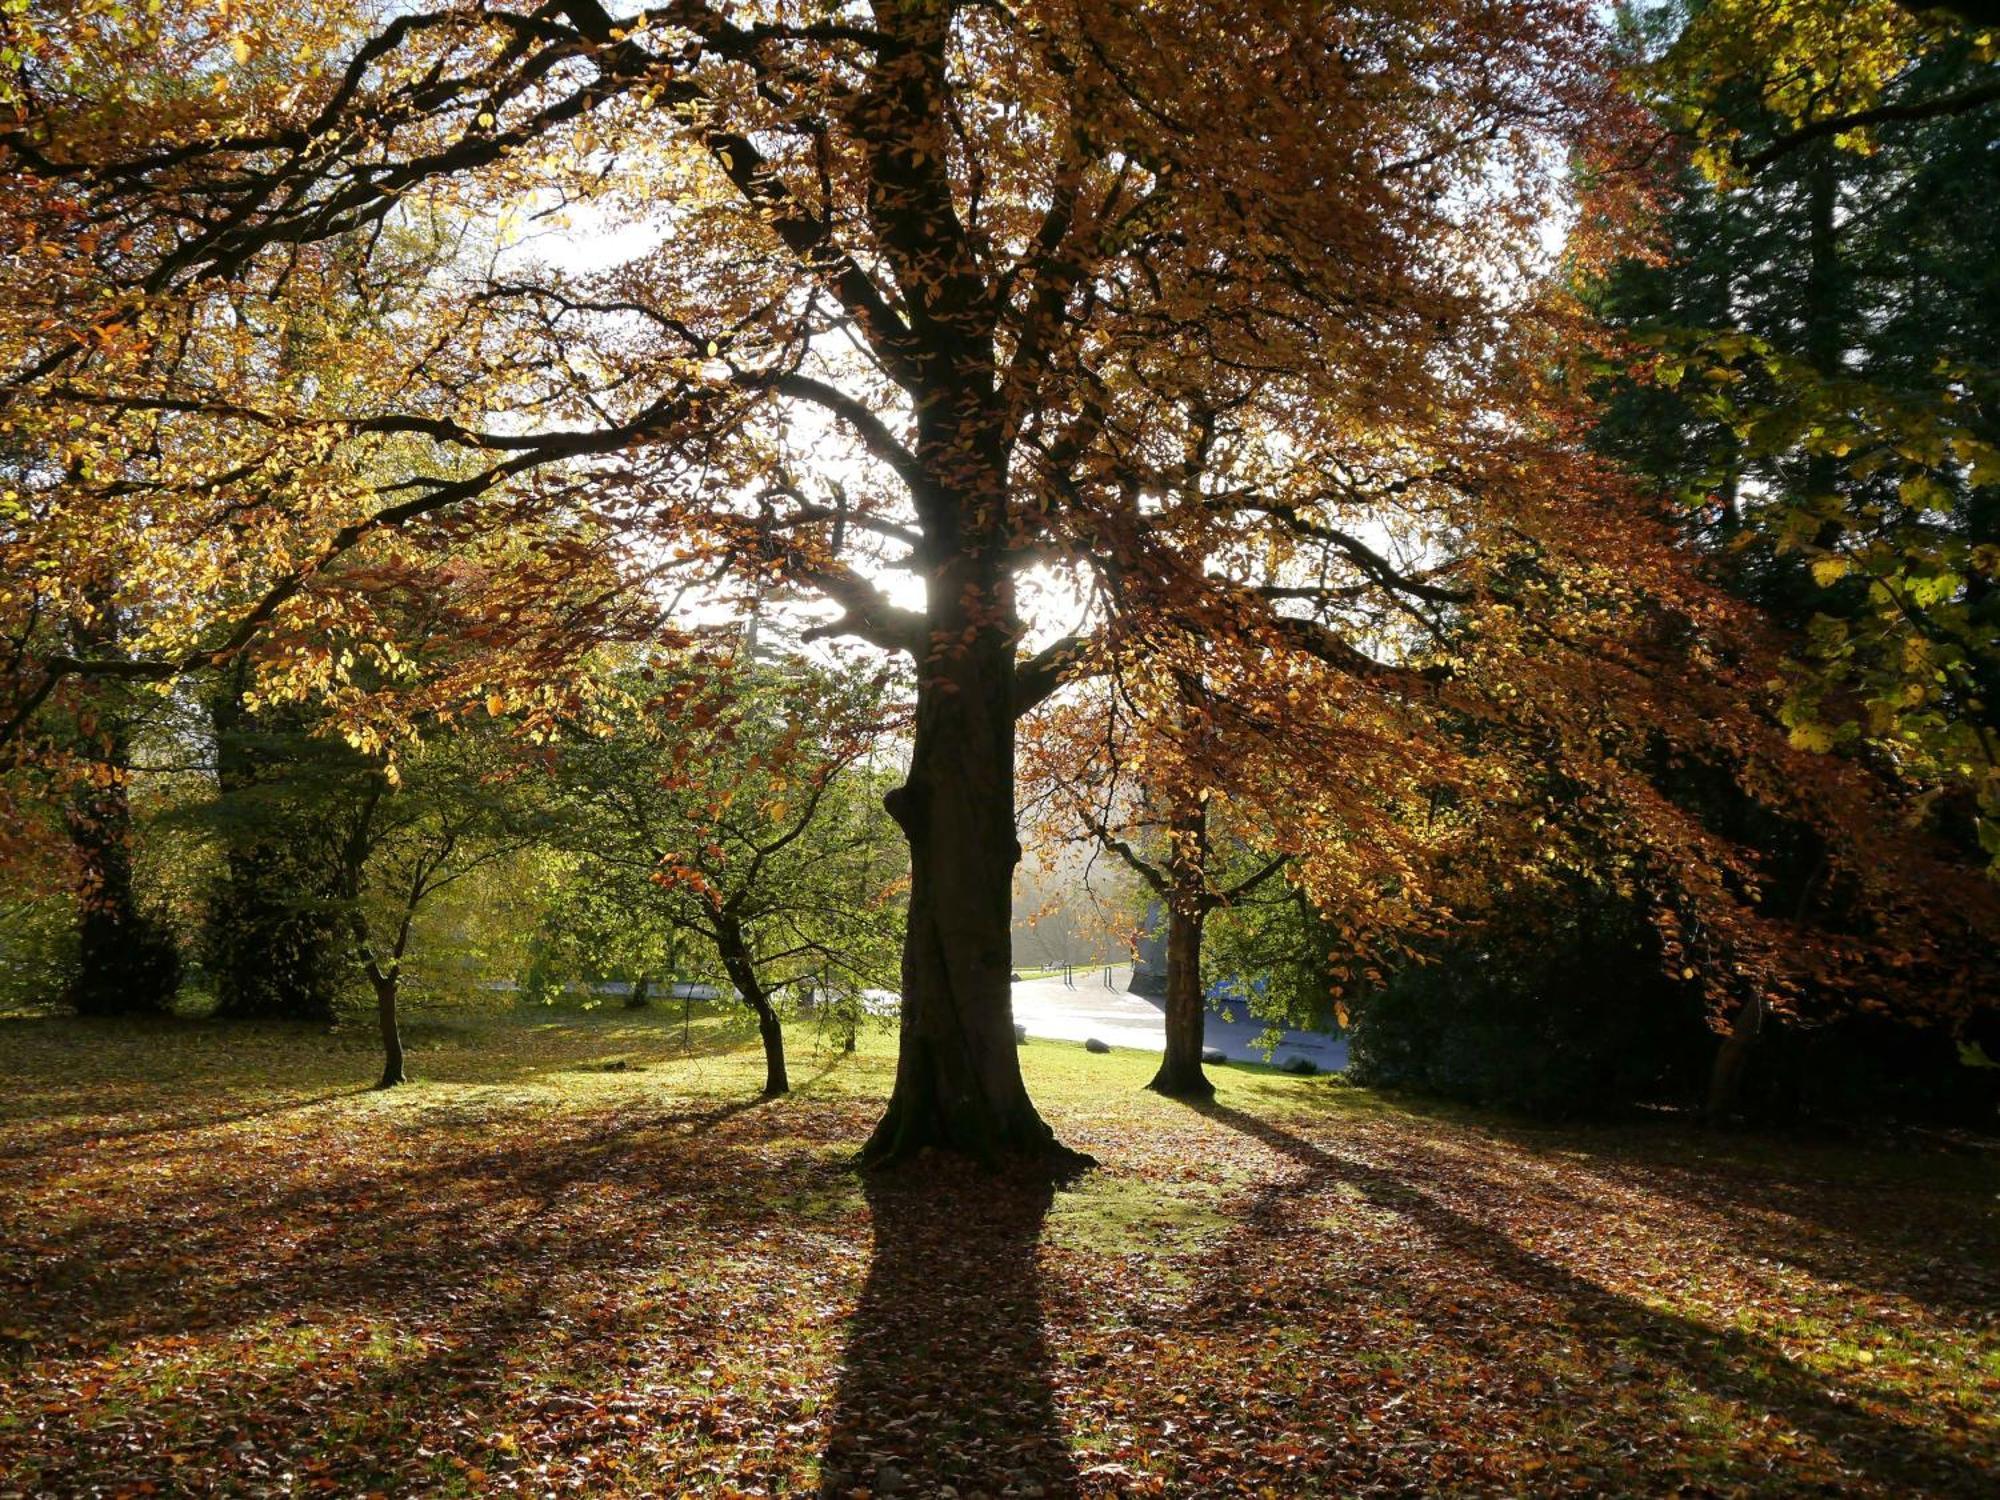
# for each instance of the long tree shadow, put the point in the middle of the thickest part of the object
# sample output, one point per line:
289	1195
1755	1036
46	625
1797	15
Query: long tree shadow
946	1377
1819	1210
435	1222
1728	1363
518	1284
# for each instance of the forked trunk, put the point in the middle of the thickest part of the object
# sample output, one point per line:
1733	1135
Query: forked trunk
958	1071
1180	1075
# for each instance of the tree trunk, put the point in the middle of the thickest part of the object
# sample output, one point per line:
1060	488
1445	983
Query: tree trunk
958	1075
392	1037
1180	1075
1732	1058
641	995
271	931
958	1071
734	949
776	1081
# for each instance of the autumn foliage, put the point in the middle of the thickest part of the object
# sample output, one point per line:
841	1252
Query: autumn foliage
1231	330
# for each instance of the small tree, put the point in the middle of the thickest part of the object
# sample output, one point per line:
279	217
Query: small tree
411	830
736	805
1146	794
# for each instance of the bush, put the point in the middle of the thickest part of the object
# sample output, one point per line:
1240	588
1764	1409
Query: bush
1563	1012
37	951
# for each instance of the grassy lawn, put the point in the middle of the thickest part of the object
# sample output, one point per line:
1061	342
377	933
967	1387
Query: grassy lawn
577	1259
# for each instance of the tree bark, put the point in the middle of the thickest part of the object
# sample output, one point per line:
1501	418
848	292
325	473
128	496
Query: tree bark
125	964
386	986
1180	1075
958	1074
776	1081
734	949
958	1071
641	995
271	932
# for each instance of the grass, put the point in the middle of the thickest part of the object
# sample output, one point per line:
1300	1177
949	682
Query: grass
227	1267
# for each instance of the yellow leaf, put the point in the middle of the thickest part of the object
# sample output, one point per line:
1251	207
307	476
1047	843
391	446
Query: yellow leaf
239	47
495	705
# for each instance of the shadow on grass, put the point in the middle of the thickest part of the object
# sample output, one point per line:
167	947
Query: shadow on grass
352	1237
963	1393
1804	1200
385	1325
57	1066
1724	1363
176	1125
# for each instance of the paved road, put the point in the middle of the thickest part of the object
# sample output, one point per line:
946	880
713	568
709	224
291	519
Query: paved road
1050	1009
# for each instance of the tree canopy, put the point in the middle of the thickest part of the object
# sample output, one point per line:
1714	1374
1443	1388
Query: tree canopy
1243	360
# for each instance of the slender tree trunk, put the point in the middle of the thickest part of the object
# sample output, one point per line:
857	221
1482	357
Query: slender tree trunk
1180	1075
734	950
1823	311
776	1081
641	995
958	1071
386	986
1732	1060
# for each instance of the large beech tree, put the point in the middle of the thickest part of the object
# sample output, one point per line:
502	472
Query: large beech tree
965	290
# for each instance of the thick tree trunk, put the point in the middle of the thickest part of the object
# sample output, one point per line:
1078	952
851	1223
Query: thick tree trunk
641	996
958	1071
1180	1075
392	1037
271	935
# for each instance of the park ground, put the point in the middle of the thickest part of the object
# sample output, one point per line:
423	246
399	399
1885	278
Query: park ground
579	1257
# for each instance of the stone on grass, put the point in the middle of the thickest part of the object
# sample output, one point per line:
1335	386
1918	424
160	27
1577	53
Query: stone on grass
1214	1055
1020	1033
1305	1067
1094	1045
